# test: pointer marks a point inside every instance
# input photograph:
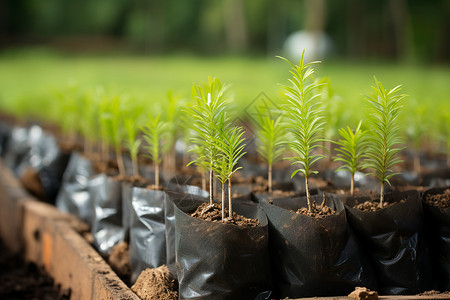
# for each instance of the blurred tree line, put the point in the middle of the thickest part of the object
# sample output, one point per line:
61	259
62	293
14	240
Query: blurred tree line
403	29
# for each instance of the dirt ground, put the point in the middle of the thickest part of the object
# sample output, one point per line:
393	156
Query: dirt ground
21	280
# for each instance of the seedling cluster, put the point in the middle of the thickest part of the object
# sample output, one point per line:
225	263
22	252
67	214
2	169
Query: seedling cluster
303	129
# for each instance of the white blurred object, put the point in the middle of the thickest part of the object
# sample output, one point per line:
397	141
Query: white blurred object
317	46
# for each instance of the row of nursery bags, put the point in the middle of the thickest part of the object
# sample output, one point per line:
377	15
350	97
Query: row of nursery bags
402	249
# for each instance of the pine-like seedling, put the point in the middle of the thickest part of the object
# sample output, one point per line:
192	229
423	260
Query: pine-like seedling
229	142
132	143
206	112
384	140
304	117
351	152
271	140
154	131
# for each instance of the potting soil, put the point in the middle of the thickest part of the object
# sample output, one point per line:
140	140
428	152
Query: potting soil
155	283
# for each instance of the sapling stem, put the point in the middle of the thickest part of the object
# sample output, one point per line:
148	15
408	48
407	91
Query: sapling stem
156	165
381	195
352	184
308	196
135	168
230	203
120	163
269	179
223	200
211	188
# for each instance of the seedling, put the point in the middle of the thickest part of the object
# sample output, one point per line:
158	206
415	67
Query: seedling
351	151
271	137
153	135
171	115
416	130
133	144
384	142
304	116
229	143
117	131
206	111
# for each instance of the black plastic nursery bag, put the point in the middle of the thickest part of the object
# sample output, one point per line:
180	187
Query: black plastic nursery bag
73	196
106	201
5	135
177	192
147	230
438	236
127	194
393	239
314	257
33	149
221	261
52	168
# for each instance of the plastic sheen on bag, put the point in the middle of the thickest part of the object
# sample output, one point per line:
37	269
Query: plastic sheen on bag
221	261
393	239
106	204
314	257
73	196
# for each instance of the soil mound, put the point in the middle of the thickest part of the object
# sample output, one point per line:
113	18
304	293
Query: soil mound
155	284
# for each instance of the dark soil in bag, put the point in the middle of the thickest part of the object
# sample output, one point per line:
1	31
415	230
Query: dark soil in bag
221	261
106	200
73	196
437	218
147	230
314	256
393	239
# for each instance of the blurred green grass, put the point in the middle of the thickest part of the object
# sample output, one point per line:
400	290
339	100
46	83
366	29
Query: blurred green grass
29	75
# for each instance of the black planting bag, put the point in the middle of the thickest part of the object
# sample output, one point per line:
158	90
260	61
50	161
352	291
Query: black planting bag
438	235
393	239
127	194
106	202
314	257
176	192
147	230
221	261
73	196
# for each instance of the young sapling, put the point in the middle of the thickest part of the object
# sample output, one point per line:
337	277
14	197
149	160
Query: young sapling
384	140
117	131
271	137
416	130
206	111
154	131
133	144
229	142
351	151
305	121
